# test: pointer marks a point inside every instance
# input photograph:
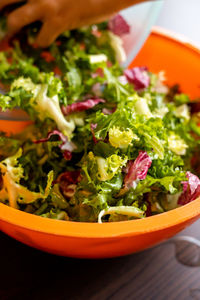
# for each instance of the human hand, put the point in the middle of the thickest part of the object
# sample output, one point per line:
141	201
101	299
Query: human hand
60	15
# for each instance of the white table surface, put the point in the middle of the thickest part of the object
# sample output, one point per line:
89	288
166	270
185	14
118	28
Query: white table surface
181	16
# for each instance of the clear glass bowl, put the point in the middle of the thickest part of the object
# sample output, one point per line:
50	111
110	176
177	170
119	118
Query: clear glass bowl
141	18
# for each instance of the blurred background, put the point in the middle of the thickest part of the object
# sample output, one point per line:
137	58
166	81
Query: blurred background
181	16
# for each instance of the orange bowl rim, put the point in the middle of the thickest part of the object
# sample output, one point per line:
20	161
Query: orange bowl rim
95	230
180	39
108	230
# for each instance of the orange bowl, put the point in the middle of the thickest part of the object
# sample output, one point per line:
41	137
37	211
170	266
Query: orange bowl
181	62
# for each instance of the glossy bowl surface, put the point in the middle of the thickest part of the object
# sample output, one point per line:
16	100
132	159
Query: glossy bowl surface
181	62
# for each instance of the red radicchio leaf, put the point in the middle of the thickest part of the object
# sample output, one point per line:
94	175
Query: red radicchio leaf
67	155
93	127
82	46
138	77
58	43
137	170
33	45
191	189
47	56
81	106
66	145
148	212
4	45
95	140
69	177
98	73
57	71
68	181
62	137
69	190
118	25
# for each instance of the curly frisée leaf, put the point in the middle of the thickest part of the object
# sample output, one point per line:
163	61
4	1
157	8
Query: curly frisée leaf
41	105
142	107
56	215
50	108
121	138
12	166
110	166
155	143
130	211
12	173
47	190
177	145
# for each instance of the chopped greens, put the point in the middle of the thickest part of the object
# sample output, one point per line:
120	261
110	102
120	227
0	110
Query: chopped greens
106	144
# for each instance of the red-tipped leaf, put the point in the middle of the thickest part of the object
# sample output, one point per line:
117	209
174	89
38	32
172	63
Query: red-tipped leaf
137	170
118	25
138	76
191	189
81	106
66	146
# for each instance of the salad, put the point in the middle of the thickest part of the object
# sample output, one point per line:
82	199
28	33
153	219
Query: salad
105	144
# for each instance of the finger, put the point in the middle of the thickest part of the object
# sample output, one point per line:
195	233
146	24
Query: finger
21	17
4	3
48	34
92	20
